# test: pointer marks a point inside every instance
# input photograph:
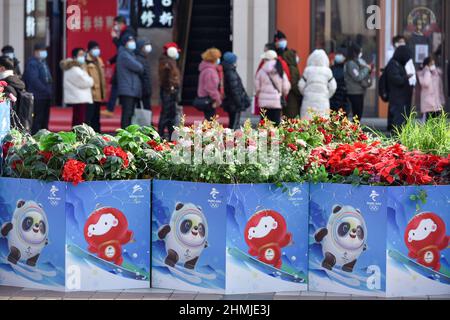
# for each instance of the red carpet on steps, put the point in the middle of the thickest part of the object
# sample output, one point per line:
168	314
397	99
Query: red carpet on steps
61	118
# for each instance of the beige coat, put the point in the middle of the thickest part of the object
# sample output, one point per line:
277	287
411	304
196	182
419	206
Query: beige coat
96	69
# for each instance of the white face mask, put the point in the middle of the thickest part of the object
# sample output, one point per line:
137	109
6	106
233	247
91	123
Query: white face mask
297	59
360	55
148	48
433	67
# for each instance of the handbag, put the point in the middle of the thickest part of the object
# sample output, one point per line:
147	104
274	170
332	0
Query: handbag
283	101
202	103
142	117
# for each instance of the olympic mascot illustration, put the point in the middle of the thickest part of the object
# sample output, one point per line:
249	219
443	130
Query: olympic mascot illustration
186	236
344	238
106	231
266	234
425	238
27	233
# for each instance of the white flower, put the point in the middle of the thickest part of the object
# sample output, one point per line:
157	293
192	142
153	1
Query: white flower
301	142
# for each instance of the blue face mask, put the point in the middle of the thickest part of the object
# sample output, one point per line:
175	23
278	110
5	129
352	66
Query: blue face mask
131	45
177	56
43	54
282	44
81	60
10	55
95	52
339	59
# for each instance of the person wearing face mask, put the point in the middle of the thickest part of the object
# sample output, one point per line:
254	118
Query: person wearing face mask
129	85
400	41
357	79
281	46
96	70
144	48
169	83
120	34
339	101
400	91
294	99
209	82
8	51
236	98
38	80
77	85
432	97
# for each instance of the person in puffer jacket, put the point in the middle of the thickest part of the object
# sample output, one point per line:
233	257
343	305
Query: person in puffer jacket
317	86
209	80
77	85
236	98
272	86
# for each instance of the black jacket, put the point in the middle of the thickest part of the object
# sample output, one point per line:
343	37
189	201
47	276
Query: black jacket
236	98
400	92
339	100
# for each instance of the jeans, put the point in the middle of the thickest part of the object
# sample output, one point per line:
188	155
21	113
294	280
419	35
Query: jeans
41	115
357	102
128	104
168	112
113	97
93	116
274	115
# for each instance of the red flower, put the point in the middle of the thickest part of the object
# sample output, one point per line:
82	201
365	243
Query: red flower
111	151
106	139
73	171
46	155
293	147
16	163
262	123
153	144
290	130
6	146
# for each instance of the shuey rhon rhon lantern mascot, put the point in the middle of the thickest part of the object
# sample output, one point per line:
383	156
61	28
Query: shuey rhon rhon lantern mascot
425	238
266	234
344	238
27	233
185	236
106	231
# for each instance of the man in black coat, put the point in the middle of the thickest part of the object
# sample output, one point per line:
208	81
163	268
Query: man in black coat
236	99
339	101
143	50
400	91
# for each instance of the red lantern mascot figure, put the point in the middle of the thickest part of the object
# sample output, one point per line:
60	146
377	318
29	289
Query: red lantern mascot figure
266	234
425	237
106	231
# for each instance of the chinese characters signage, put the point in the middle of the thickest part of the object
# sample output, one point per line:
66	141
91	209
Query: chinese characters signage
156	13
30	19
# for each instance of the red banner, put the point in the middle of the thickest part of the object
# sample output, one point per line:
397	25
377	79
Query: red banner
89	20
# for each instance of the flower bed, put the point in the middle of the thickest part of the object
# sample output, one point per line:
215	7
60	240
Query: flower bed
230	180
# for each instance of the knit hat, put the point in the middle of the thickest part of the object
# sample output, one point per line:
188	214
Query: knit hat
278	36
211	55
7	49
92	45
171	49
40	46
270	55
229	57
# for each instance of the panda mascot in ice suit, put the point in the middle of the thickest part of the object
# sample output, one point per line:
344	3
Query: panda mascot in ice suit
186	235
27	233
344	238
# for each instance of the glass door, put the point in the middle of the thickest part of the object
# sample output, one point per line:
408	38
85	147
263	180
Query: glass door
336	24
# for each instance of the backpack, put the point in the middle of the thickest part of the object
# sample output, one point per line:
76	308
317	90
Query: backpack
25	109
383	89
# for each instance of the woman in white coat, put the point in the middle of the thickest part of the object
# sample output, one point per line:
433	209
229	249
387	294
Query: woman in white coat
317	86
77	85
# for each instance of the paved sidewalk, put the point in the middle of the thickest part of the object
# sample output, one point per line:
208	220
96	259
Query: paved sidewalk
11	293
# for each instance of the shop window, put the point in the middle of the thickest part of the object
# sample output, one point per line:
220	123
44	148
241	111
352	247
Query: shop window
337	24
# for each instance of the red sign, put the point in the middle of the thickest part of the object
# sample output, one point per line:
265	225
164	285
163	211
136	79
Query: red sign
92	20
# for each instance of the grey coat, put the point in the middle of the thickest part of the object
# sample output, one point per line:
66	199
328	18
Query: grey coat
355	73
129	71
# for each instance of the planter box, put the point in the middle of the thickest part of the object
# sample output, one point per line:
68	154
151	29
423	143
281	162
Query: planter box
404	240
46	228
347	237
418	256
229	238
